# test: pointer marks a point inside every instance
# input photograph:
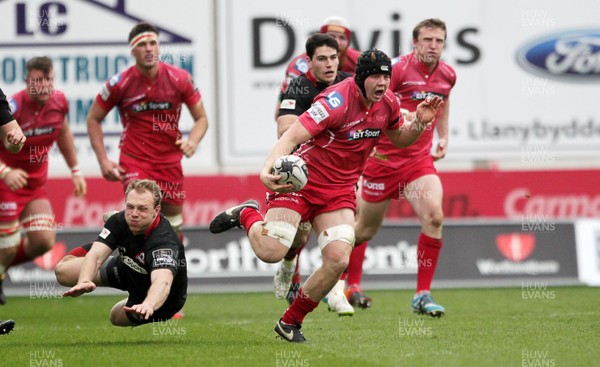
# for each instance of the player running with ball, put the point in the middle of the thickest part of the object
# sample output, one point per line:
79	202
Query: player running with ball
337	135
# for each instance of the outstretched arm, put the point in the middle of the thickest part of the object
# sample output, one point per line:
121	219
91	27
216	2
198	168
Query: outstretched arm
91	263
160	287
416	123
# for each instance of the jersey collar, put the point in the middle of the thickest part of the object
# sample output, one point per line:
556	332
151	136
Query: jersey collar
152	226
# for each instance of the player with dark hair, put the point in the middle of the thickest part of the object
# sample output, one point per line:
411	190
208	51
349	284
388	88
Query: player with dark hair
42	113
410	172
322	55
151	264
337	135
13	140
148	97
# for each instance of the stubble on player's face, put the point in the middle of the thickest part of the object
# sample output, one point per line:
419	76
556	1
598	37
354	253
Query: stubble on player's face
146	54
375	86
324	64
429	45
140	211
39	85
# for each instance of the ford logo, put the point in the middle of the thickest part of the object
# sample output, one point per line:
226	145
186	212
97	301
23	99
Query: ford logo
568	56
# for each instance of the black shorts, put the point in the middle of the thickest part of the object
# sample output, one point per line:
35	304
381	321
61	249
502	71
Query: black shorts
113	274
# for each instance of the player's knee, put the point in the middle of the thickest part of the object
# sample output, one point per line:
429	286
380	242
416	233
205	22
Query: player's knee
363	234
336	259
283	232
338	256
434	219
9	237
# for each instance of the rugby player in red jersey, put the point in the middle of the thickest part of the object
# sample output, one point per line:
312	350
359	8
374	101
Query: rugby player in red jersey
322	54
391	173
42	115
337	135
148	96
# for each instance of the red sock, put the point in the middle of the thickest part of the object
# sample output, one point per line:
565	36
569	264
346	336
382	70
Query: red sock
301	306
80	251
249	216
21	256
355	266
428	251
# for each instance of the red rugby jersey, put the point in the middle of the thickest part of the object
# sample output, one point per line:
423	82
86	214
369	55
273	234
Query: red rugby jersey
150	111
344	133
41	125
412	82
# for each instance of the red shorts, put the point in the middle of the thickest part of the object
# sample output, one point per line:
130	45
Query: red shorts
170	179
380	182
313	200
12	203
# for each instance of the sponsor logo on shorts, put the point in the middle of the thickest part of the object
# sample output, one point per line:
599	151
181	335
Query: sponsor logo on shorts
374	185
364	134
8	205
163	258
317	112
288	104
133	265
151	106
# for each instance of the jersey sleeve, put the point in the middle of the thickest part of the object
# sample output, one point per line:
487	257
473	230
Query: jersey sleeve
163	256
110	93
323	113
190	94
5	114
295	100
111	233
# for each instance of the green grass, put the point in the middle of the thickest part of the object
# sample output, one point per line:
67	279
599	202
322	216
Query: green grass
483	327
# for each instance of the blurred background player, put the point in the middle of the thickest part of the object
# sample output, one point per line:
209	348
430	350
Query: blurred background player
322	55
13	140
42	114
338	28
410	172
148	97
150	266
337	135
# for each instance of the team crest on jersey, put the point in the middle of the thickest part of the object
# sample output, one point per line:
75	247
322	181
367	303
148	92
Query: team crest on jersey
334	100
364	134
151	106
288	104
318	112
114	80
302	65
105	232
420	96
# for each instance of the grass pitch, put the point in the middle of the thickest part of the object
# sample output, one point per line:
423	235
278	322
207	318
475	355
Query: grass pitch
483	327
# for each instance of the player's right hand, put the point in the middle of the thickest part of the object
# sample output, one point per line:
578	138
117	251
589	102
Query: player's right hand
111	171
16	179
15	140
271	182
80	288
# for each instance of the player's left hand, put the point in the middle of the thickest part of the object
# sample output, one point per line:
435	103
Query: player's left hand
440	150
80	185
186	147
427	110
142	310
